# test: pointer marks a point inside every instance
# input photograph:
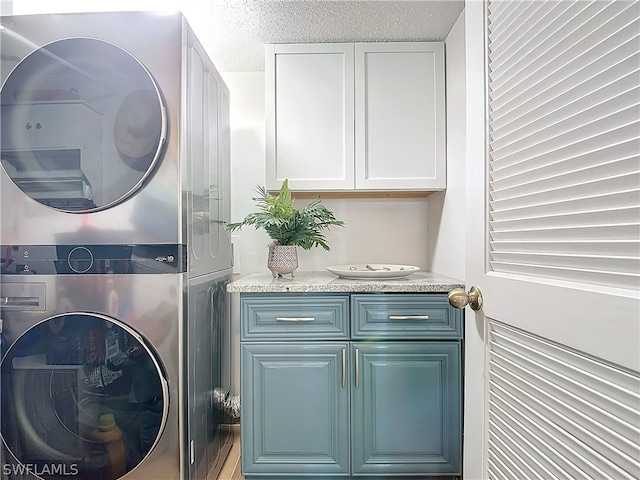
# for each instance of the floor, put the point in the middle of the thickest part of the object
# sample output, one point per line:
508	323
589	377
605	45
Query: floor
231	468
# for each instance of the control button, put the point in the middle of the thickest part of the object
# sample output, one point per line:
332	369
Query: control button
80	260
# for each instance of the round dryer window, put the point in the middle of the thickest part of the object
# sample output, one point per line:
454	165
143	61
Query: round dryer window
82	396
83	125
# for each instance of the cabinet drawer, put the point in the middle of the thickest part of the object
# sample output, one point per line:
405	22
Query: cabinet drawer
405	316
294	316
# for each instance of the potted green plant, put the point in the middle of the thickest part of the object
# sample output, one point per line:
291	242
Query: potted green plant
288	227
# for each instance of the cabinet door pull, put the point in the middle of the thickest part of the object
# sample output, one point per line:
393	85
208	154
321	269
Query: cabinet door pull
357	368
295	319
344	367
408	317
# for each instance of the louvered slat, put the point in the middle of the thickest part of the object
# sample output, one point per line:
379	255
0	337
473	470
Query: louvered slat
560	413
564	140
558	15
577	55
575	169
517	21
532	358
605	101
565	201
539	48
573	234
612	192
576	133
587	147
591	247
527	442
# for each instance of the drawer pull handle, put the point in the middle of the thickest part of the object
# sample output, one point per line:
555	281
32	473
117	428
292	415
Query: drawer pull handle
344	367
408	317
295	319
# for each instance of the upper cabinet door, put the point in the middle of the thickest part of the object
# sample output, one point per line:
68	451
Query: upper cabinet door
356	117
310	119
400	116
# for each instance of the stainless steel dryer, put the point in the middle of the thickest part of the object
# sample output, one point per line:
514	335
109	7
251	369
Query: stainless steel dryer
114	130
132	337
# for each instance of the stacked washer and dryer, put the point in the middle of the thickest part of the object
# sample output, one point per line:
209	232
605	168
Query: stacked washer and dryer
114	256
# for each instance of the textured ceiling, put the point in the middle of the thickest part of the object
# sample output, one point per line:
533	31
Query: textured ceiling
234	31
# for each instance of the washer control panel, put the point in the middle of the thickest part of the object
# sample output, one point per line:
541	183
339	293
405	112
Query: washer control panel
92	259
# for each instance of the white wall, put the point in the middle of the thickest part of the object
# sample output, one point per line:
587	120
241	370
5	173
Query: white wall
247	163
446	233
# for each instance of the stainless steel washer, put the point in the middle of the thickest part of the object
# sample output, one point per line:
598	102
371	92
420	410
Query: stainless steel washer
134	337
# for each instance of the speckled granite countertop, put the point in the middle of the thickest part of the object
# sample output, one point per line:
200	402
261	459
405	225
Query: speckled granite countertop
327	282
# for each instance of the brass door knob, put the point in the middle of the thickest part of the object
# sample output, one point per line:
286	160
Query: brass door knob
458	298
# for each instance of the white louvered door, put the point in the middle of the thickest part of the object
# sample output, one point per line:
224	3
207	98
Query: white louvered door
553	239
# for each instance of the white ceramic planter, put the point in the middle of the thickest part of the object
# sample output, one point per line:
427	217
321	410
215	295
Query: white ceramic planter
282	259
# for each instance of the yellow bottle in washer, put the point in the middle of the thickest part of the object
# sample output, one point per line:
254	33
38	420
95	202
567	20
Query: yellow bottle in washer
110	435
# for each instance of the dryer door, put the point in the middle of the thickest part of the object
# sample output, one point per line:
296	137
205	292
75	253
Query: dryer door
84	396
82	124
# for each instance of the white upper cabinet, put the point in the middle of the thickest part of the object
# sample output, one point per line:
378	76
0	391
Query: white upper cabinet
356	117
399	116
309	95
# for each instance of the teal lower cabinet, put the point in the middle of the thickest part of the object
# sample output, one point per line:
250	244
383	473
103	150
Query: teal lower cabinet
405	408
295	409
379	399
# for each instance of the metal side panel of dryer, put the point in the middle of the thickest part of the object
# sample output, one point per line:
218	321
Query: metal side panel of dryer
86	357
206	173
113	130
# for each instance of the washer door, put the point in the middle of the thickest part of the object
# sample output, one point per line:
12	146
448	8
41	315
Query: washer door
82	125
83	396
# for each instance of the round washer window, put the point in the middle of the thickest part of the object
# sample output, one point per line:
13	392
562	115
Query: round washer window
83	125
83	396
